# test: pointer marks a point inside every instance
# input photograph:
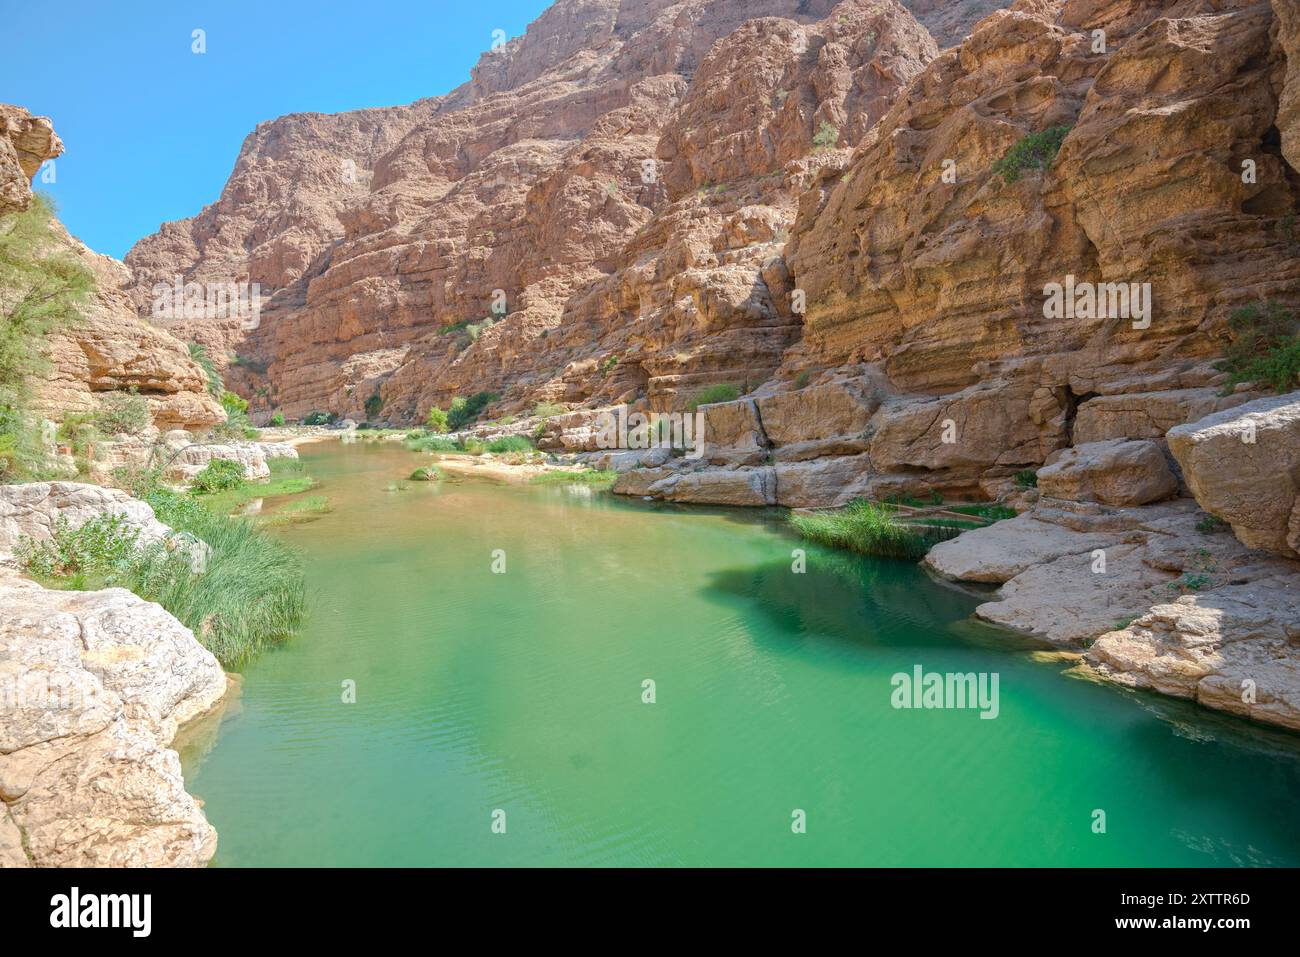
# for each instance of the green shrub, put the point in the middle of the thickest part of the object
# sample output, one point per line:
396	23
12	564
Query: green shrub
45	287
608	365
123	412
722	392
510	443
867	528
321	418
1265	347
374	405
78	431
1208	524
232	403
436	420
1026	478
545	409
204	361
433	443
277	420
463	411
475	329
219	475
90	554
1035	151
827	136
594	477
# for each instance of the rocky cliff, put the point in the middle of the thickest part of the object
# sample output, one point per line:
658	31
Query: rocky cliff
605	203
112	349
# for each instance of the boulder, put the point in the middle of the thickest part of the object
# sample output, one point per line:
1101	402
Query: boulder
836	409
189	461
1231	648
733	433
32	511
1243	466
95	687
1115	472
1147	415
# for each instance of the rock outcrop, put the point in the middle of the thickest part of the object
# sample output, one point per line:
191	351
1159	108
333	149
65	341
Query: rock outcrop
26	142
112	350
608	215
186	462
1243	466
93	687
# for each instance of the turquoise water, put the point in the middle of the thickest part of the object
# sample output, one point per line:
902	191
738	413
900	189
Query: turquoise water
522	692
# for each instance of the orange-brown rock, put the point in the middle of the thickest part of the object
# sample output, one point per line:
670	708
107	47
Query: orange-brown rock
111	349
26	142
625	175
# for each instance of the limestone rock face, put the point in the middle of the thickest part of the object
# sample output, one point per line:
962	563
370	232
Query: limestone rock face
95	685
1243	465
32	511
1115	472
187	462
1288	114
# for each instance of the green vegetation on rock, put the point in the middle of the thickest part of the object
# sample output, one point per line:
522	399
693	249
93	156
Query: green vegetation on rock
721	392
1035	151
41	290
1265	347
868	528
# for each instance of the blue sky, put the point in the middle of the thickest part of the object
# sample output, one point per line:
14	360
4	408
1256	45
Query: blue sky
152	129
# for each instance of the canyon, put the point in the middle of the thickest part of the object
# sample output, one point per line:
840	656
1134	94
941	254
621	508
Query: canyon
811	202
808	201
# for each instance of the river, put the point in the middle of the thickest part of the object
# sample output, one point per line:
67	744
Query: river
500	718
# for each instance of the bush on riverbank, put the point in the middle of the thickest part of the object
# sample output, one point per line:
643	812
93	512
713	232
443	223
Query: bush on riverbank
510	443
596	478
248	591
251	593
868	529
432	443
219	475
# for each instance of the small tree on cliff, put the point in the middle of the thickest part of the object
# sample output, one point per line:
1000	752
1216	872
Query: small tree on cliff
41	289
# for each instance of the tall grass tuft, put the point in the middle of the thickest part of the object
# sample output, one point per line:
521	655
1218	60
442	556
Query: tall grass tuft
251	594
866	528
510	443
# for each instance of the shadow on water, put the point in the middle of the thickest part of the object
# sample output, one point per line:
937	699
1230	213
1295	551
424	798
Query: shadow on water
878	608
859	601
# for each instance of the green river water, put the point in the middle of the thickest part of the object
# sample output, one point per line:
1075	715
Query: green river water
522	692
